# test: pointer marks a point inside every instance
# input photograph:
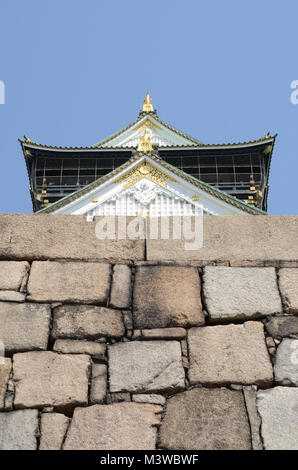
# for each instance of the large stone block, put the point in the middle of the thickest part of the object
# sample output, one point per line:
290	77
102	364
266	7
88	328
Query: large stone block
271	239
146	366
229	354
87	322
286	362
53	429
5	368
121	426
121	287
19	430
50	379
205	419
288	282
278	408
240	293
33	237
167	296
282	326
69	282
12	274
24	327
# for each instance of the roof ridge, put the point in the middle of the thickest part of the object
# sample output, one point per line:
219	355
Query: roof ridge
177	131
153	116
196	144
107	139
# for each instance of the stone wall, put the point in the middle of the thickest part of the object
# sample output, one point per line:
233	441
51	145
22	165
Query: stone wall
139	344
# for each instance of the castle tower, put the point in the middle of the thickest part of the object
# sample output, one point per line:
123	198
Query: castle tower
236	173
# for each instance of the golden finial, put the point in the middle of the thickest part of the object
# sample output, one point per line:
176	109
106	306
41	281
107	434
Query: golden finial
147	104
267	136
145	143
27	139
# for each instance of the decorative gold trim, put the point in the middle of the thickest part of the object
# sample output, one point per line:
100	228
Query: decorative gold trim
145	170
147	124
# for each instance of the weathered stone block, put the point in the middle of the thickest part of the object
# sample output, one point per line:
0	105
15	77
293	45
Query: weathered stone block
121	287
259	238
31	237
167	296
288	283
164	333
19	430
98	389
240	293
11	296
121	426
146	366
12	274
99	383
205	419
286	362
229	354
50	379
279	327
51	281
278	408
5	367
24	327
72	346
84	322
149	398
53	429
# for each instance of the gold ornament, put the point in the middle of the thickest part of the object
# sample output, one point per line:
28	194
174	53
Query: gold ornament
145	170
147	104
145	143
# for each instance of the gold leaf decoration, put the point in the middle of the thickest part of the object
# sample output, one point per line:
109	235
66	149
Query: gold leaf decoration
145	170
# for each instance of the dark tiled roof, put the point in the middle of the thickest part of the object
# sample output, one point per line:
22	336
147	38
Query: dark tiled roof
198	183
195	143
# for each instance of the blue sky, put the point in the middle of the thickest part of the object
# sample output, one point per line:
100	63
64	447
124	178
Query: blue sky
76	71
